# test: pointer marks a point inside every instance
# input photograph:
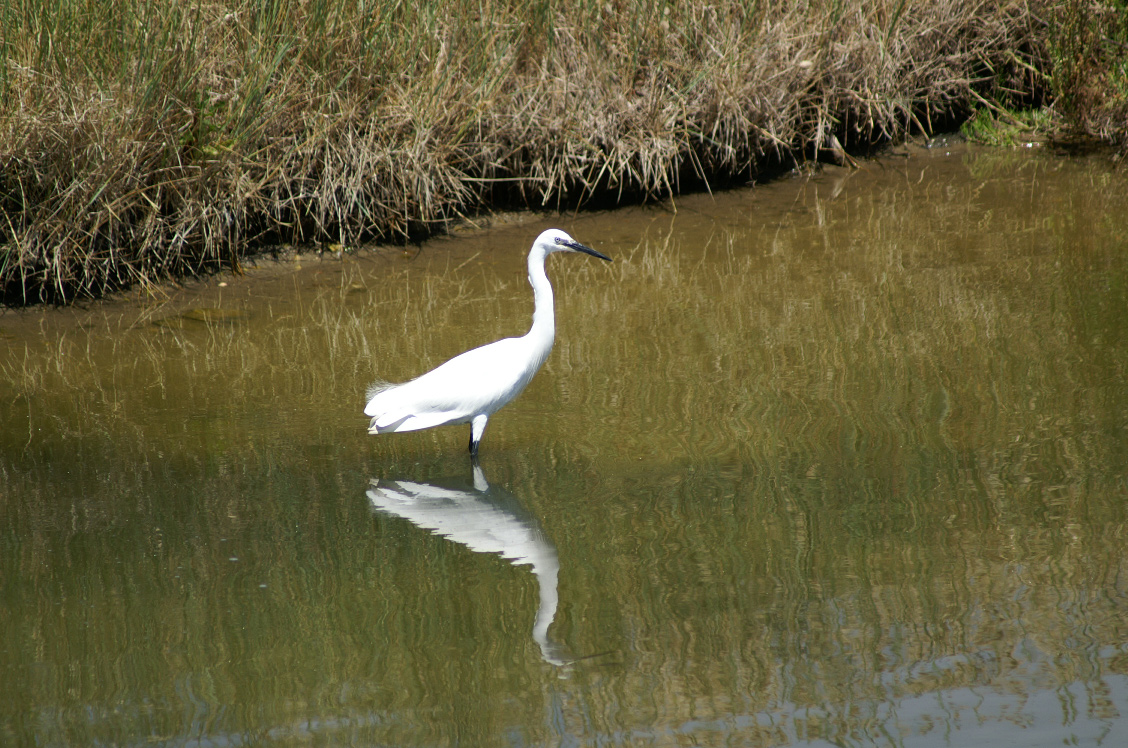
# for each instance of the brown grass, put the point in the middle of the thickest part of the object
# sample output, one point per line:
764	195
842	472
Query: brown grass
1089	71
140	141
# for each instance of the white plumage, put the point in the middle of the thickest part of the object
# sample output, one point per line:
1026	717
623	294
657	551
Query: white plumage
472	386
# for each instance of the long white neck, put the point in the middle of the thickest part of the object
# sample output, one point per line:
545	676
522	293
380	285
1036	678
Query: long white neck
543	330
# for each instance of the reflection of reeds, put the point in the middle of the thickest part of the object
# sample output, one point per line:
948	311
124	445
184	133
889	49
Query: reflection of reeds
142	139
904	420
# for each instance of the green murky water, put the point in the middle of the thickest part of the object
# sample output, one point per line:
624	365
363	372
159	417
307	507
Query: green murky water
832	461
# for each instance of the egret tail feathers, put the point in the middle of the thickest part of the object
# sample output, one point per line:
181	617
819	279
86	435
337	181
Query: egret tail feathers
377	387
394	422
392	408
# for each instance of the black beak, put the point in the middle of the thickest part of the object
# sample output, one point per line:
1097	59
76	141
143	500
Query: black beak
577	247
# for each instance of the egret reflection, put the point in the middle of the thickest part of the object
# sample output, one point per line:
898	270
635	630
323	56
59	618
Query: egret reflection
485	519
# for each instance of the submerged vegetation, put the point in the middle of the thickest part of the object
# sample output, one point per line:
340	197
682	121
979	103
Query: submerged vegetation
143	140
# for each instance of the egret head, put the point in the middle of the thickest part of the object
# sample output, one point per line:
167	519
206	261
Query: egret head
555	240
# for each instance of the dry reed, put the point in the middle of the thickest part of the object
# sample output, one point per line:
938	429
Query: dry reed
140	141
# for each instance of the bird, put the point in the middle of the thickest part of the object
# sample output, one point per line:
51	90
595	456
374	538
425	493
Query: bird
474	385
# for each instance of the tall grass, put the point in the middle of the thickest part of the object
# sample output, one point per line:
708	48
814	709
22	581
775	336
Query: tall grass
1089	71
141	140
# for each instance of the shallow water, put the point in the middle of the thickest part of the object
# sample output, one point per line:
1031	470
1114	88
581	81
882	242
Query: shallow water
838	460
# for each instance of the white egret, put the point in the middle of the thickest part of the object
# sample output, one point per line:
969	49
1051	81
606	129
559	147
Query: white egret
472	386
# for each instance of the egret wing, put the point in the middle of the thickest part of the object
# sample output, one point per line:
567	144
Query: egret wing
478	381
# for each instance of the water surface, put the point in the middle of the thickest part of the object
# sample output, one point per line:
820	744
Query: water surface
838	460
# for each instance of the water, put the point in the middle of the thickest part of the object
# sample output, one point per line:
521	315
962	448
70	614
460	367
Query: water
838	460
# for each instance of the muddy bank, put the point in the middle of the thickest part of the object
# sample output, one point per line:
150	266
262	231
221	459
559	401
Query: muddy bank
156	142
